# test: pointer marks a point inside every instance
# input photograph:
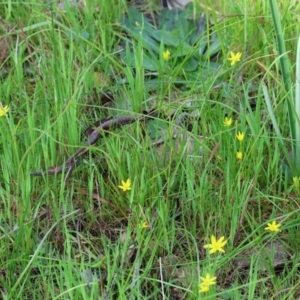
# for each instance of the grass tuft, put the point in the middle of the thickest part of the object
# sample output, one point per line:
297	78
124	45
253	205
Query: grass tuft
62	68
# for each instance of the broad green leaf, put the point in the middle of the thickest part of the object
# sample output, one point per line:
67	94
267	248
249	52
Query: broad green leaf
155	127
149	63
214	47
181	50
137	19
142	37
166	37
190	65
168	18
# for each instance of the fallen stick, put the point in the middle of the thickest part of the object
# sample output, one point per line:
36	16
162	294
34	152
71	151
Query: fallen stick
95	133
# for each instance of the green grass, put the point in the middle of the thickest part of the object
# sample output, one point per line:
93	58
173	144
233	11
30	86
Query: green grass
81	238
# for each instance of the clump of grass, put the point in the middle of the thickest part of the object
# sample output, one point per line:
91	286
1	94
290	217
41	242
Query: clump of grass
87	238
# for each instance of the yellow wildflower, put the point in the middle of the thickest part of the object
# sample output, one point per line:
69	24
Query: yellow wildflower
166	55
3	110
227	122
125	186
203	288
274	227
144	225
240	136
239	155
235	57
216	245
206	282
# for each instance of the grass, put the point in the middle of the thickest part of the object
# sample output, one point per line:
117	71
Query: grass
82	238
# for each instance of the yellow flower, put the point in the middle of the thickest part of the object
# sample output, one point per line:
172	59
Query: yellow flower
240	136
166	55
239	155
227	122
125	186
3	110
144	225
273	226
235	57
216	245
208	280
203	288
